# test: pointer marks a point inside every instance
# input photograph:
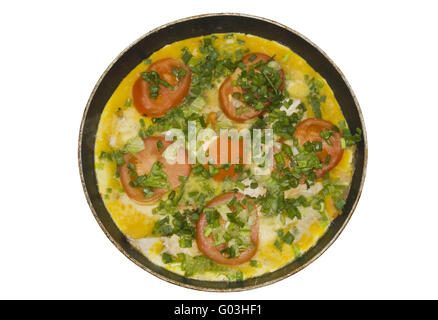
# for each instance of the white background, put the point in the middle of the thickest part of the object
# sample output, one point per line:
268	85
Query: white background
52	55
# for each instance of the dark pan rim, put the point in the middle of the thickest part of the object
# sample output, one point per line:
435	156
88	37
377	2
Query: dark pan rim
255	285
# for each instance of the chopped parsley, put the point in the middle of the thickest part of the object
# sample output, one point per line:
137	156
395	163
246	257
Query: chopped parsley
283	237
261	84
314	97
156	178
349	138
154	80
198	265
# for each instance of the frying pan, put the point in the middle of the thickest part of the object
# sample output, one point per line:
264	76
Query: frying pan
193	27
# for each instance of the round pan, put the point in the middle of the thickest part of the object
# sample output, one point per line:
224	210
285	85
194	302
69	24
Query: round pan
193	27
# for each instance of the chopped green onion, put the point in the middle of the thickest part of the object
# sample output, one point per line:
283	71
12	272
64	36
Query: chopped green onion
118	156
297	251
185	243
288	238
277	244
340	204
240	185
160	145
343	143
166	84
179	73
253	263
128	102
186	56
252	58
167	258
323	221
326	135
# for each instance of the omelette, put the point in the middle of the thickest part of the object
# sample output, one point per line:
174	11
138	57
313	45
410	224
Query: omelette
224	157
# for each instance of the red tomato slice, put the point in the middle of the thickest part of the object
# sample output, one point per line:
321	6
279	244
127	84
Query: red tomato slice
259	56
167	98
227	89
144	161
206	244
309	130
222	156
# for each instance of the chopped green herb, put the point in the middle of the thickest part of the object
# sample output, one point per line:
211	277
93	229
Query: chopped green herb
162	227
340	204
156	178
128	102
314	97
198	265
343	145
179	73
106	156
160	145
348	137
277	244
185	243
288	238
154	80
167	258
118	156
326	135
297	251
253	263
238	276
186	56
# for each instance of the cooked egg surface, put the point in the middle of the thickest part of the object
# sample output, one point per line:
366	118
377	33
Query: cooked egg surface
120	122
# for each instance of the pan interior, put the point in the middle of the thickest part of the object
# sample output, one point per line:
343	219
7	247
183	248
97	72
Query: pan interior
198	26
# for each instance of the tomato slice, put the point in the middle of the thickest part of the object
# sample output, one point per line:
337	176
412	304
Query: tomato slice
309	130
167	98
228	103
206	244
234	155
143	162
